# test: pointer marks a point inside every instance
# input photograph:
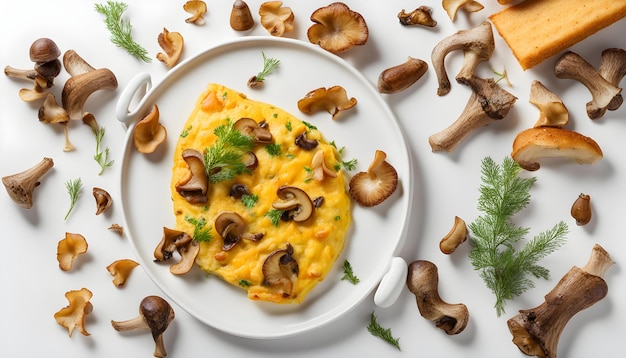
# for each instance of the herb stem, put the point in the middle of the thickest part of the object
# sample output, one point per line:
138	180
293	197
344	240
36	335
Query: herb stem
73	188
121	29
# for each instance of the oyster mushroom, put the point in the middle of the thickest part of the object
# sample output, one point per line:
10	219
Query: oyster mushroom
195	186
120	270
337	28
177	241
275	18
197	9
232	228
69	248
280	270
295	202
103	200
552	111
374	186
73	315
20	186
333	100
149	133
172	44
249	127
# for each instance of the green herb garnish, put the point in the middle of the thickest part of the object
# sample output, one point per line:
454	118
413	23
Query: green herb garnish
348	274
244	283
309	125
502	76
73	188
504	268
350	164
274	215
200	231
102	158
384	333
224	159
185	132
249	200
269	65
289	126
273	149
120	29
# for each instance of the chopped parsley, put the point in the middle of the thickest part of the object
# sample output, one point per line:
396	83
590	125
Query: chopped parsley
185	132
273	149
348	274
274	215
249	200
200	232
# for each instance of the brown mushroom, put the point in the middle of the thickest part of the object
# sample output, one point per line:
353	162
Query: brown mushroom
581	209
172	43
319	168
552	111
295	202
149	133
457	235
240	16
195	186
333	100
275	18
232	228
120	270
280	270
398	78
197	8
155	314
45	53
181	242
452	6
73	315
249	127
420	16
20	186
375	185
304	142
69	248
337	28
103	200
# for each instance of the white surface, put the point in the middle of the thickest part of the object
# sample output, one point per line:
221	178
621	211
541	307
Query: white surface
33	286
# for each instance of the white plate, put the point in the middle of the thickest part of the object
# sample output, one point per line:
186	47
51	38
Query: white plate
376	234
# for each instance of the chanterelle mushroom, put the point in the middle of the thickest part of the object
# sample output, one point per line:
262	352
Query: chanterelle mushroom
337	28
120	270
477	45
197	8
103	200
281	270
155	314
69	248
275	18
420	16
172	43
73	315
333	100
20	186
295	202
149	133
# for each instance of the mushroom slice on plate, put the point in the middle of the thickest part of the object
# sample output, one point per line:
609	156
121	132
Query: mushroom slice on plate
181	242
295	202
195	186
333	100
232	227
374	186
280	270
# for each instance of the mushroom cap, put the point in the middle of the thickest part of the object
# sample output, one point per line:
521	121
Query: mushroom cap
553	112
420	16
231	228
337	28
103	200
296	201
377	184
280	269
194	188
44	50
452	6
171	240
240	16
157	313
73	315
197	8
172	43
149	133
333	100
275	18
120	270
69	248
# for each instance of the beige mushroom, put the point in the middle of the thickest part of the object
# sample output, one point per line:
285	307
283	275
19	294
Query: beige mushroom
420	16
149	133
120	270
73	315
552	111
453	6
319	168
195	186
457	235
172	44
197	8
280	270
295	202
20	186
333	100
372	187
69	248
337	28
275	18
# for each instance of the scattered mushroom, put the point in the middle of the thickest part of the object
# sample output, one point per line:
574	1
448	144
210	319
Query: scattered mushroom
232	228
238	190
333	100
305	142
172	43
581	209
195	186
197	9
275	18
149	133
69	248
374	186
319	168
400	77
181	242
613	66
155	314
120	270
533	144
488	103
240	16
73	315
477	45
20	186
51	112
423	281
452	6
337	28
536	331
552	111
455	237
250	127
605	95
281	270
103	200
420	16
295	202
119	229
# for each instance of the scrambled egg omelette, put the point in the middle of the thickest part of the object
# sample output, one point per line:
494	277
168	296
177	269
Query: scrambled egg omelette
271	253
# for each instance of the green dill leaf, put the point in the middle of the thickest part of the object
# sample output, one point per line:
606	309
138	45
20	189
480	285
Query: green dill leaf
506	269
201	233
384	333
350	164
309	125
244	283
289	126
290	155
348	274
269	65
273	149
224	159
274	215
249	200
185	132
121	29
102	158
73	187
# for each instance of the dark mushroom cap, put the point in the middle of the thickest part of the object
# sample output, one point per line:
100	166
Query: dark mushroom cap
44	50
157	313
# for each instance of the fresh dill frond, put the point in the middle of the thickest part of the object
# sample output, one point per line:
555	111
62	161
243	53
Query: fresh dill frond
224	159
73	187
244	283
273	149
309	125
274	215
269	65
502	76
384	333
289	126
505	268
102	158
121	29
201	233
249	200
348	274
350	164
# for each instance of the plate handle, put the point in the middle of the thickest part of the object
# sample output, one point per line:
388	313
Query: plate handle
392	283
134	92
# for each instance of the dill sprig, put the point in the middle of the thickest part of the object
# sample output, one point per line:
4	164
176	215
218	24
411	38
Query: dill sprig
348	273
269	65
121	29
73	188
201	233
505	268
102	158
224	159
384	333
274	215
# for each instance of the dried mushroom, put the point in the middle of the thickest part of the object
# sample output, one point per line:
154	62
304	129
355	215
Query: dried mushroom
337	28
581	209
374	186
69	248
275	18
420	16
103	200
333	100
453	6
149	133
172	43
240	16
457	235
73	315
197	9
20	186
120	270
195	186
181	242
552	111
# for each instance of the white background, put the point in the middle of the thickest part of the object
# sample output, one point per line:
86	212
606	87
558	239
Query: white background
33	286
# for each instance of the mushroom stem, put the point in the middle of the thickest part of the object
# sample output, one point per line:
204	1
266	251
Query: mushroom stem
20	186
487	103
28	75
536	331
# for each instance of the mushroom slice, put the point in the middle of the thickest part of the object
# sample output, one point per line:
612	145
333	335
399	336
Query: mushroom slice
377	184
120	270
280	270
73	315
319	168
553	112
197	9
275	18
295	201
103	200
183	243
232	228
51	112
420	16
69	248
194	187
249	127
452	6
172	43
304	142
534	144
333	100
78	88
149	133
337	28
